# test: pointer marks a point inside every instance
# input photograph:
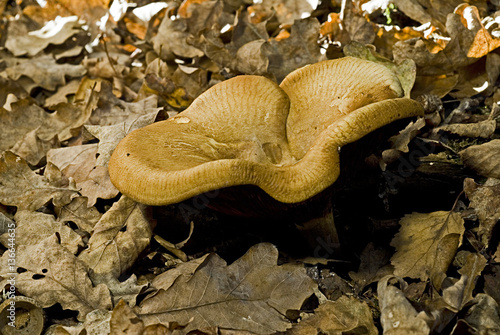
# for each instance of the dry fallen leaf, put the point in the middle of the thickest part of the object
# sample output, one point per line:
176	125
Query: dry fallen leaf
21	41
482	318
33	227
346	315
112	110
398	316
32	148
253	294
483	158
25	189
119	237
109	136
426	244
80	163
124	321
485	200
43	72
484	129
471	266
291	53
79	213
51	274
25	117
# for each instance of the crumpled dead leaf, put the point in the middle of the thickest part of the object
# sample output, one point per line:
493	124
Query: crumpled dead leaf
25	117
460	293
483	158
112	110
397	315
482	318
32	148
233	297
342	316
109	136
33	227
484	129
80	164
298	50
20	41
399	142
125	322
426	244
43	72
54	275
23	188
61	96
78	212
95	322
119	237
485	200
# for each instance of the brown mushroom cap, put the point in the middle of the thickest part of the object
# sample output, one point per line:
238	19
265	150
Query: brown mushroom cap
247	130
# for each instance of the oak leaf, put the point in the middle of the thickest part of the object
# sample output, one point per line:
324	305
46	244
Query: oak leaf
52	274
119	237
23	188
253	294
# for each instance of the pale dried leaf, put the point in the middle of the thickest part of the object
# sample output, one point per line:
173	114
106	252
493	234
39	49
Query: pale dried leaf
300	49
126	290
124	321
112	110
342	316
397	315
400	142
483	158
166	279
171	40
483	318
78	212
25	117
7	225
32	148
250	58
79	163
485	200
24	189
44	72
54	275
109	136
426	243
287	11
61	95
33	227
21	41
471	266
119	237
484	129
233	297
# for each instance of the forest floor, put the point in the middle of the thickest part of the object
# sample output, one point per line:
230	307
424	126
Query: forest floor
406	240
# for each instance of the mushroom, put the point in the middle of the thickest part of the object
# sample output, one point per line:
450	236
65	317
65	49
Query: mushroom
249	131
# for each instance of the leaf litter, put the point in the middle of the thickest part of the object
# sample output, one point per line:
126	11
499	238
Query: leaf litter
419	250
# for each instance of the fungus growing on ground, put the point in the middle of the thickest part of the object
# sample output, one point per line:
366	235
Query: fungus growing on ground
249	131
